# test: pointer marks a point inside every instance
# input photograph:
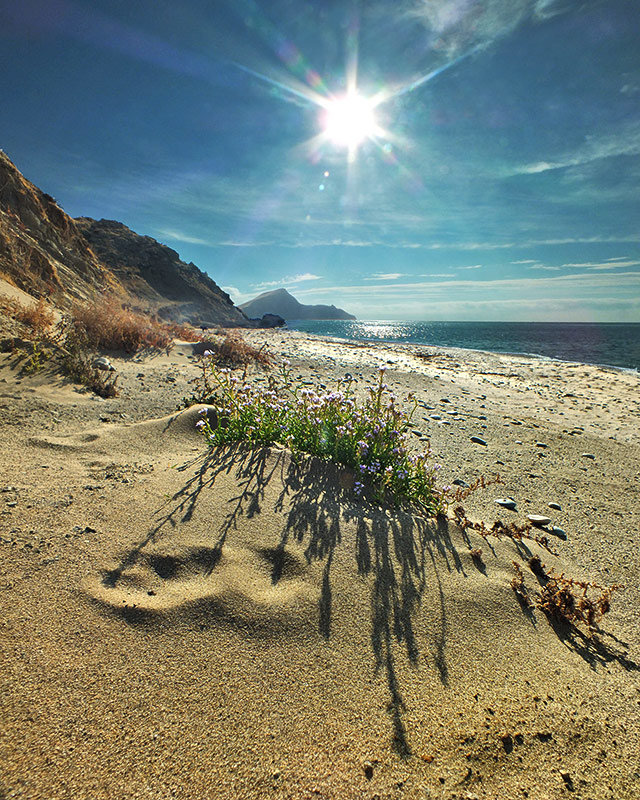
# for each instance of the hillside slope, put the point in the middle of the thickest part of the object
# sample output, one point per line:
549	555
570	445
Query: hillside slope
285	305
155	274
45	252
42	251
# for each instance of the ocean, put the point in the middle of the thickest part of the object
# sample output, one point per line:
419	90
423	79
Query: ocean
606	344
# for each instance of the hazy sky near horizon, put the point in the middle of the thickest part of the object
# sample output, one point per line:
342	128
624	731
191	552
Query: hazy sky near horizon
501	181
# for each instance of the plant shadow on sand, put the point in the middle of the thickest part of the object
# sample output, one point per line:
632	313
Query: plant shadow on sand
398	552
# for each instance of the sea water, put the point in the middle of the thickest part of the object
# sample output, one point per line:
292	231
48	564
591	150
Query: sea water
606	344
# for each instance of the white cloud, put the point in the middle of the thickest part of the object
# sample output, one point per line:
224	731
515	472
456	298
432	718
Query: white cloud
526	261
625	141
235	294
385	276
178	236
474	266
288	281
610	264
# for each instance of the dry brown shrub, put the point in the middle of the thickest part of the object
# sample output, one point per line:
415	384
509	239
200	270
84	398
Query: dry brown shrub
108	326
184	332
572	601
233	351
39	317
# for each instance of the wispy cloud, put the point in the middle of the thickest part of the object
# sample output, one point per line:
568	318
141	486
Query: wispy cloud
624	141
385	276
587	295
291	280
526	261
473	266
610	264
178	236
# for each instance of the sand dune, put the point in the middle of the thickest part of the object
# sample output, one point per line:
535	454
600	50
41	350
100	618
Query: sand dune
236	624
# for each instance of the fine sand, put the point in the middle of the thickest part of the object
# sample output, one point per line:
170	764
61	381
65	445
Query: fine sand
180	623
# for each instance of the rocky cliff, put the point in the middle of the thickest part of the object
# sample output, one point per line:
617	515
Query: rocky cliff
285	305
48	254
42	251
155	274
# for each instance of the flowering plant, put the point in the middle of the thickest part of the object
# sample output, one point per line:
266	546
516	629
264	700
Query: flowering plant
369	436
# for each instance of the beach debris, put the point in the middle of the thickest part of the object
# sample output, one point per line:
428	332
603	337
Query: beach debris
478	440
588	455
103	363
555	506
541	444
559	532
506	502
368	770
460	482
538	520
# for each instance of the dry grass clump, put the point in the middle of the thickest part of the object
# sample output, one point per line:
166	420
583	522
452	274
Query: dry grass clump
184	332
233	351
108	326
38	318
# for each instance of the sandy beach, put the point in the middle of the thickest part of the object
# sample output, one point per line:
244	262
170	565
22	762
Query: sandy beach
184	623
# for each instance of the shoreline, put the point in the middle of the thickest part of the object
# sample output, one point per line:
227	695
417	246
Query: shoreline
428	344
462	350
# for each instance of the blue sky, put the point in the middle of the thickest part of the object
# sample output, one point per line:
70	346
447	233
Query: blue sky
501	181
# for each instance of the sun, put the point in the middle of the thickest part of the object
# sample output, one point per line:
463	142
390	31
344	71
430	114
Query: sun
349	120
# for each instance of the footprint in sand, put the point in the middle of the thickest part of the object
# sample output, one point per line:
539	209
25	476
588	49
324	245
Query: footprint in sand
251	588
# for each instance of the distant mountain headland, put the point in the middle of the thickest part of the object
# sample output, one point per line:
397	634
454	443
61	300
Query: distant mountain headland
48	254
285	305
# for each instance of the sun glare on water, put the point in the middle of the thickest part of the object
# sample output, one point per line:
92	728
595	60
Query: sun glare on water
349	120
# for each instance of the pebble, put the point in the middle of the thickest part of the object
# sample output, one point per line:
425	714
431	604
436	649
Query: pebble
435	416
588	455
478	440
506	502
555	506
103	363
460	482
541	444
558	532
538	519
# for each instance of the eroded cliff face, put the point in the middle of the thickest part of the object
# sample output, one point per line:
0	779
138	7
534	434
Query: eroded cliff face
49	254
155	273
42	250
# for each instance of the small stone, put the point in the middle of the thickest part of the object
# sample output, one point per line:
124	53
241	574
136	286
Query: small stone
538	520
435	416
558	532
12	503
588	455
478	440
368	770
460	482
555	506
103	363
506	502
541	444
